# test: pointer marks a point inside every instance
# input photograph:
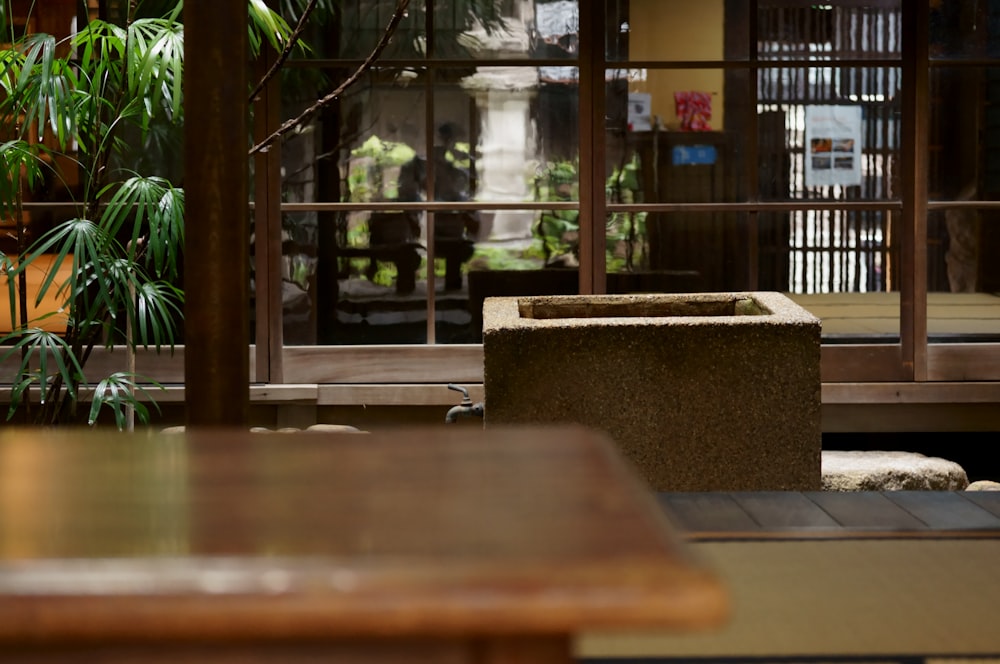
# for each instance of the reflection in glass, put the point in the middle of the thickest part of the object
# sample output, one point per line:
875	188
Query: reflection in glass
963	164
962	304
666	30
962	29
677	252
498	135
833	31
506	30
376	276
828	133
801	251
963	167
461	30
351	29
298	277
505	266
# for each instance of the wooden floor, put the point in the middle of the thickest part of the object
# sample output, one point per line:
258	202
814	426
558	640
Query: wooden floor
903	577
829	514
874	317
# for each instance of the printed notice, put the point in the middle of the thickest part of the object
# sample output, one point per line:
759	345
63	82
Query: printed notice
833	146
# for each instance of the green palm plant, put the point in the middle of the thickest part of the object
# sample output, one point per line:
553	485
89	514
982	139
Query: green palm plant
103	100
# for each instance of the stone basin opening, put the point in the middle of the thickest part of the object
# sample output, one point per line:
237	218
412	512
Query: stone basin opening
547	308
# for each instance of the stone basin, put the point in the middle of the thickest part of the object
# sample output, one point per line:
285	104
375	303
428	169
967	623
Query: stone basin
702	392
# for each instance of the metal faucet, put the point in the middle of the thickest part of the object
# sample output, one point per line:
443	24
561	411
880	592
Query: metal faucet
464	408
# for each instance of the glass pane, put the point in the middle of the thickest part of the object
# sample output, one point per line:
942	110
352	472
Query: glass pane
352	29
677	252
836	251
354	149
962	301
376	276
837	264
964	134
962	304
962	29
498	140
841	265
462	30
964	167
353	278
500	264
672	30
506	30
299	246
668	140
828	132
498	135
834	31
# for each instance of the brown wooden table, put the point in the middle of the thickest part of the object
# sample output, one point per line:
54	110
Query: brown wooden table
447	544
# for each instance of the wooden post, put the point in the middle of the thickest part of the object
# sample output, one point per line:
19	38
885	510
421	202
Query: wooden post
217	243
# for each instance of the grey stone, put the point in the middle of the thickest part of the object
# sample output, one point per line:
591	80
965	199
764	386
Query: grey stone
701	392
890	471
983	485
333	428
315	428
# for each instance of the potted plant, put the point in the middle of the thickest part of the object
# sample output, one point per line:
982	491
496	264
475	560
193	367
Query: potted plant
96	116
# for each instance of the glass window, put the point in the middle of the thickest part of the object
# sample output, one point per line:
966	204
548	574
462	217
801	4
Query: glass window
666	30
451	30
837	148
962	230
962	305
836	31
964	30
433	188
771	160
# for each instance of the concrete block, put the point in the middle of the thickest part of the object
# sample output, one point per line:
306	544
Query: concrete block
702	392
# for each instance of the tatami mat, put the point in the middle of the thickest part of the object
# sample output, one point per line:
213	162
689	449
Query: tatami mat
892	598
876	315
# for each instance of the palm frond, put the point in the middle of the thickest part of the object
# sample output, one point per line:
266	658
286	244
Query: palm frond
9	269
44	91
119	393
266	25
38	347
155	210
21	166
158	309
11	65
156	65
89	288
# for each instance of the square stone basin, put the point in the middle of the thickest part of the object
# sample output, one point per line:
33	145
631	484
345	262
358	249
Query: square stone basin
702	392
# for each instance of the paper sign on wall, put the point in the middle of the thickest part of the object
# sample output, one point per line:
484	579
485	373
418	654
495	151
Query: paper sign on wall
833	146
640	111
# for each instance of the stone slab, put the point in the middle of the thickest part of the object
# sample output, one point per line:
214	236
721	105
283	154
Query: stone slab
702	392
878	470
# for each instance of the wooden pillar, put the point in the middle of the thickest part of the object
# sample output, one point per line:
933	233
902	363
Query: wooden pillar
217	247
913	153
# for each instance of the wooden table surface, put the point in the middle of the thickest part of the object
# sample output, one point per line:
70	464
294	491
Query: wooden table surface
228	537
